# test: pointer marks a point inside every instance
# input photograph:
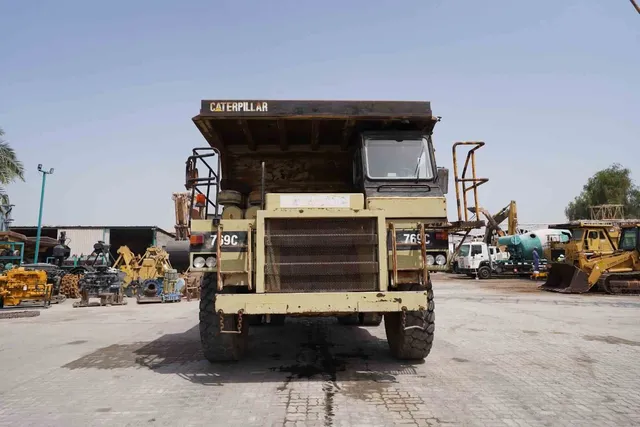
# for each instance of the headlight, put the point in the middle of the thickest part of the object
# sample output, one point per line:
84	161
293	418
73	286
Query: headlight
441	259
430	260
198	262
211	262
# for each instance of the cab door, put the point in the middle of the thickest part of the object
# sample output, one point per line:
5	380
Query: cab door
593	241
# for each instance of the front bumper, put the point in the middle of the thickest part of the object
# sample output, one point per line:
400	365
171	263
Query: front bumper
322	303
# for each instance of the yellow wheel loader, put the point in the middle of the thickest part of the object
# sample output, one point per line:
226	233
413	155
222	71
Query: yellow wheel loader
614	273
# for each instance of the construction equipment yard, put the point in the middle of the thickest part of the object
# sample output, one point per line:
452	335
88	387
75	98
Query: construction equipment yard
324	283
506	354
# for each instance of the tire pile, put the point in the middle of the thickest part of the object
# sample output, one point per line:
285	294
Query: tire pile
69	285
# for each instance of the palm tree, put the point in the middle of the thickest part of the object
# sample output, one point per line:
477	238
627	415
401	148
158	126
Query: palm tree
10	167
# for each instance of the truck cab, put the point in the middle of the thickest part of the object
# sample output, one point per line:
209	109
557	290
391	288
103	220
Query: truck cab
322	208
479	259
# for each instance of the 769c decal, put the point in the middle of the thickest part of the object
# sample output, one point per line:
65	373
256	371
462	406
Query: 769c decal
230	241
409	238
412	238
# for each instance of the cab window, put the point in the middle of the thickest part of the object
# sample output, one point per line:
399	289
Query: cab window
629	240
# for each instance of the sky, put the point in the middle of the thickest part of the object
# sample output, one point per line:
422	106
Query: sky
104	92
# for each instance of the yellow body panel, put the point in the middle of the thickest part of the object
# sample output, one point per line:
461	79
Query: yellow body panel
232	262
326	302
410	207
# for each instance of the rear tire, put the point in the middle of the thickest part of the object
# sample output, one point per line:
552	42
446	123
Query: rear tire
219	347
416	343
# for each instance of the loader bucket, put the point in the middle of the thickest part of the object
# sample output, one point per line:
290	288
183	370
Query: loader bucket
566	278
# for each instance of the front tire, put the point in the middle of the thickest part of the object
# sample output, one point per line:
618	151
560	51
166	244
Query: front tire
414	343
219	347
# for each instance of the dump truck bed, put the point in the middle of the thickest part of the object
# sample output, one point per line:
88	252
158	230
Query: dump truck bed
313	124
303	143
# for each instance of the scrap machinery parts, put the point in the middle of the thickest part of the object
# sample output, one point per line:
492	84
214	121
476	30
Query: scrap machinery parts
160	290
128	263
69	285
101	281
182	203
104	283
192	285
54	276
153	264
21	287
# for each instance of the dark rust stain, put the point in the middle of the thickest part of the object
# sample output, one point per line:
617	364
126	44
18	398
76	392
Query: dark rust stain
77	342
398	300
380	295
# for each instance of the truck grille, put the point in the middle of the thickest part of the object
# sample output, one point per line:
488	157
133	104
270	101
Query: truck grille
321	254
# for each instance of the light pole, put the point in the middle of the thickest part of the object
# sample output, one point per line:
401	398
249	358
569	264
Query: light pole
44	180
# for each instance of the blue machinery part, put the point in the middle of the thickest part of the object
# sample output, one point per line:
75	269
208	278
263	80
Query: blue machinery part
152	290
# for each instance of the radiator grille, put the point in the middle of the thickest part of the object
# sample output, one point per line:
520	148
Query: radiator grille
321	254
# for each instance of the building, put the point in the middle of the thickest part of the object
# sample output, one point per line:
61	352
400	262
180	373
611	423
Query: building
81	239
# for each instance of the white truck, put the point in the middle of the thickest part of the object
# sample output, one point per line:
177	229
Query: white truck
478	258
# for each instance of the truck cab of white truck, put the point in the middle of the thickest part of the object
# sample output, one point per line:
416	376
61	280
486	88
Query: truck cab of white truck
478	258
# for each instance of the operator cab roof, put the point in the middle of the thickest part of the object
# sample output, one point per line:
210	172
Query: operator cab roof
316	124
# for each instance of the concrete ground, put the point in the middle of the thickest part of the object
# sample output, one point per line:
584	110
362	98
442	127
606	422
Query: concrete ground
505	354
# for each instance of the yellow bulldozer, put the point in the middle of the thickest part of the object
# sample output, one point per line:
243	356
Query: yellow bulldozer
20	287
614	272
589	238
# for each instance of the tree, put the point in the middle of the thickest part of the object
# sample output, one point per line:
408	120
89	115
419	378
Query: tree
10	167
612	185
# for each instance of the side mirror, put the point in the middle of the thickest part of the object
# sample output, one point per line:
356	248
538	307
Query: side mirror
443	180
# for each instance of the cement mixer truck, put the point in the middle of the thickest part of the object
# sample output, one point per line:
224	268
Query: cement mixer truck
484	261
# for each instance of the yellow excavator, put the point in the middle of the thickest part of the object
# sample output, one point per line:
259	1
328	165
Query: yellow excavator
614	273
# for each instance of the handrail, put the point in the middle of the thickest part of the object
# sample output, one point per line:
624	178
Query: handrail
203	185
249	258
423	250
463	180
394	254
219	258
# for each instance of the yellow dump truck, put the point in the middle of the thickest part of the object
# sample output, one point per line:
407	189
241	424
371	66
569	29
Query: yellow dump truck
318	208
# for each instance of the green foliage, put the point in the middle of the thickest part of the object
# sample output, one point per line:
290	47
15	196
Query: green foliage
10	167
612	185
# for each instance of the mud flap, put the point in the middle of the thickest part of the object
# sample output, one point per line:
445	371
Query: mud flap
566	278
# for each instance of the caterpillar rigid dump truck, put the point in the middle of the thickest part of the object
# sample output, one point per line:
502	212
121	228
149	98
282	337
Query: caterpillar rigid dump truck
614	270
318	208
